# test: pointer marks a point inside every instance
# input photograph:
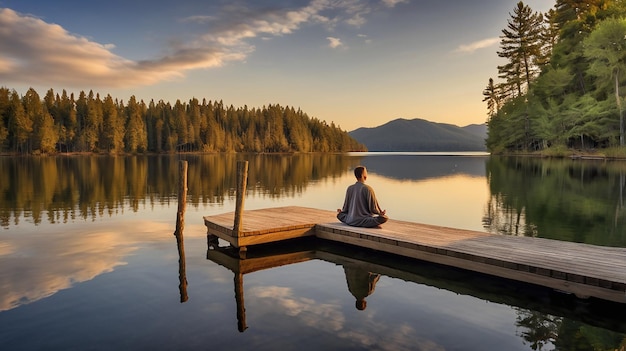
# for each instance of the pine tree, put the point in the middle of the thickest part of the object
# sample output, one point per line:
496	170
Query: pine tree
492	97
20	126
4	116
606	48
521	44
113	127
135	138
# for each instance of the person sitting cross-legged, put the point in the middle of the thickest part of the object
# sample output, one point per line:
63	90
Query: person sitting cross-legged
360	207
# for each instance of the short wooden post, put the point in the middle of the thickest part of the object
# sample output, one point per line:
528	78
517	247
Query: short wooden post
242	179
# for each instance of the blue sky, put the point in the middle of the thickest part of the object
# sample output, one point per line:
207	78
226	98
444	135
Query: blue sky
354	63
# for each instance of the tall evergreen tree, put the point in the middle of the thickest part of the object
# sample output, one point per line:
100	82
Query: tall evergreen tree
135	138
606	48
20	126
521	45
42	138
113	127
492	97
4	116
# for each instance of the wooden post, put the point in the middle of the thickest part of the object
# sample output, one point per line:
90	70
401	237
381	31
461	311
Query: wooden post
180	224
182	196
242	179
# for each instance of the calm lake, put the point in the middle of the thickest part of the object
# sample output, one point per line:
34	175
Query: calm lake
88	259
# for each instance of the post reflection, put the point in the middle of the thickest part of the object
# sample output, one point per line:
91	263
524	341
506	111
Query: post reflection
258	258
182	275
364	268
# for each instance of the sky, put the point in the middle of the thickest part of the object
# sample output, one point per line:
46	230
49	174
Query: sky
356	63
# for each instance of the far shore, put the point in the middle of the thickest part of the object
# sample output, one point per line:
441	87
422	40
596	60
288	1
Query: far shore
608	154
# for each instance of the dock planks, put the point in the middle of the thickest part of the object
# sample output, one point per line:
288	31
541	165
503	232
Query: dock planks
581	269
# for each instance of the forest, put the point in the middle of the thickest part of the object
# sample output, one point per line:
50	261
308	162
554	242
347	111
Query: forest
561	84
65	124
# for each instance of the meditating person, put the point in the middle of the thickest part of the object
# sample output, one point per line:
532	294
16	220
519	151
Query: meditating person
360	207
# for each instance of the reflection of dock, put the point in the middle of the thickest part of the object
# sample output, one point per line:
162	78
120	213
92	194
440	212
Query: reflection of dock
598	313
581	269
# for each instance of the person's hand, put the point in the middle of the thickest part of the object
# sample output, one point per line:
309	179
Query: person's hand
338	210
384	212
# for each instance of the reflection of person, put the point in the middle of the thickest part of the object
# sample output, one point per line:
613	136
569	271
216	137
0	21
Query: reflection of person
361	284
360	207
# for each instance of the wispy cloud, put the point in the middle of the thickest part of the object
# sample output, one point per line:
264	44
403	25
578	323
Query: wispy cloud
365	38
33	51
334	42
392	3
477	45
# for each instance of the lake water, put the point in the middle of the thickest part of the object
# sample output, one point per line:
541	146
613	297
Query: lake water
88	259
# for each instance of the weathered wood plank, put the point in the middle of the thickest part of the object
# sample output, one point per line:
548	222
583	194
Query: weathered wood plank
583	269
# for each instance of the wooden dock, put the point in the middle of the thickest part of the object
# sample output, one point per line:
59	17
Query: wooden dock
580	269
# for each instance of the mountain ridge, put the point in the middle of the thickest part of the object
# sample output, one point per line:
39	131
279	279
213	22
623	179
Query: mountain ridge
421	135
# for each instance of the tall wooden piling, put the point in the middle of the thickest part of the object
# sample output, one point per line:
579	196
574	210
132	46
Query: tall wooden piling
180	224
242	179
182	196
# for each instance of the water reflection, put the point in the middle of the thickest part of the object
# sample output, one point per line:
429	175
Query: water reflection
579	201
65	188
424	167
544	317
361	283
37	265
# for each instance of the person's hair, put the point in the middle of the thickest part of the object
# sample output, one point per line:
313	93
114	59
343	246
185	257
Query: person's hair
358	172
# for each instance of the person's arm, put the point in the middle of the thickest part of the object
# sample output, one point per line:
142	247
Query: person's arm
373	203
344	209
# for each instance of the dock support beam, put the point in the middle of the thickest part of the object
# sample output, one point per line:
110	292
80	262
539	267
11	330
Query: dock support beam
242	180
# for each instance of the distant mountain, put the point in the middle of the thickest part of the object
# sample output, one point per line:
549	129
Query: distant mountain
421	135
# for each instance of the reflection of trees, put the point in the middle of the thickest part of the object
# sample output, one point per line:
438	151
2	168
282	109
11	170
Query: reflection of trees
65	188
572	200
539	330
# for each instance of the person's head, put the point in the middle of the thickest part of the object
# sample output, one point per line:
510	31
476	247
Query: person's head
361	304
360	173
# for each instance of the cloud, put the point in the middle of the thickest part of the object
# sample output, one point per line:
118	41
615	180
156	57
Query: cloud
198	19
328	317
48	264
334	42
35	52
393	3
365	38
322	316
477	45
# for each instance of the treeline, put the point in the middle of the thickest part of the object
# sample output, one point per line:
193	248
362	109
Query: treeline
562	85
61	123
